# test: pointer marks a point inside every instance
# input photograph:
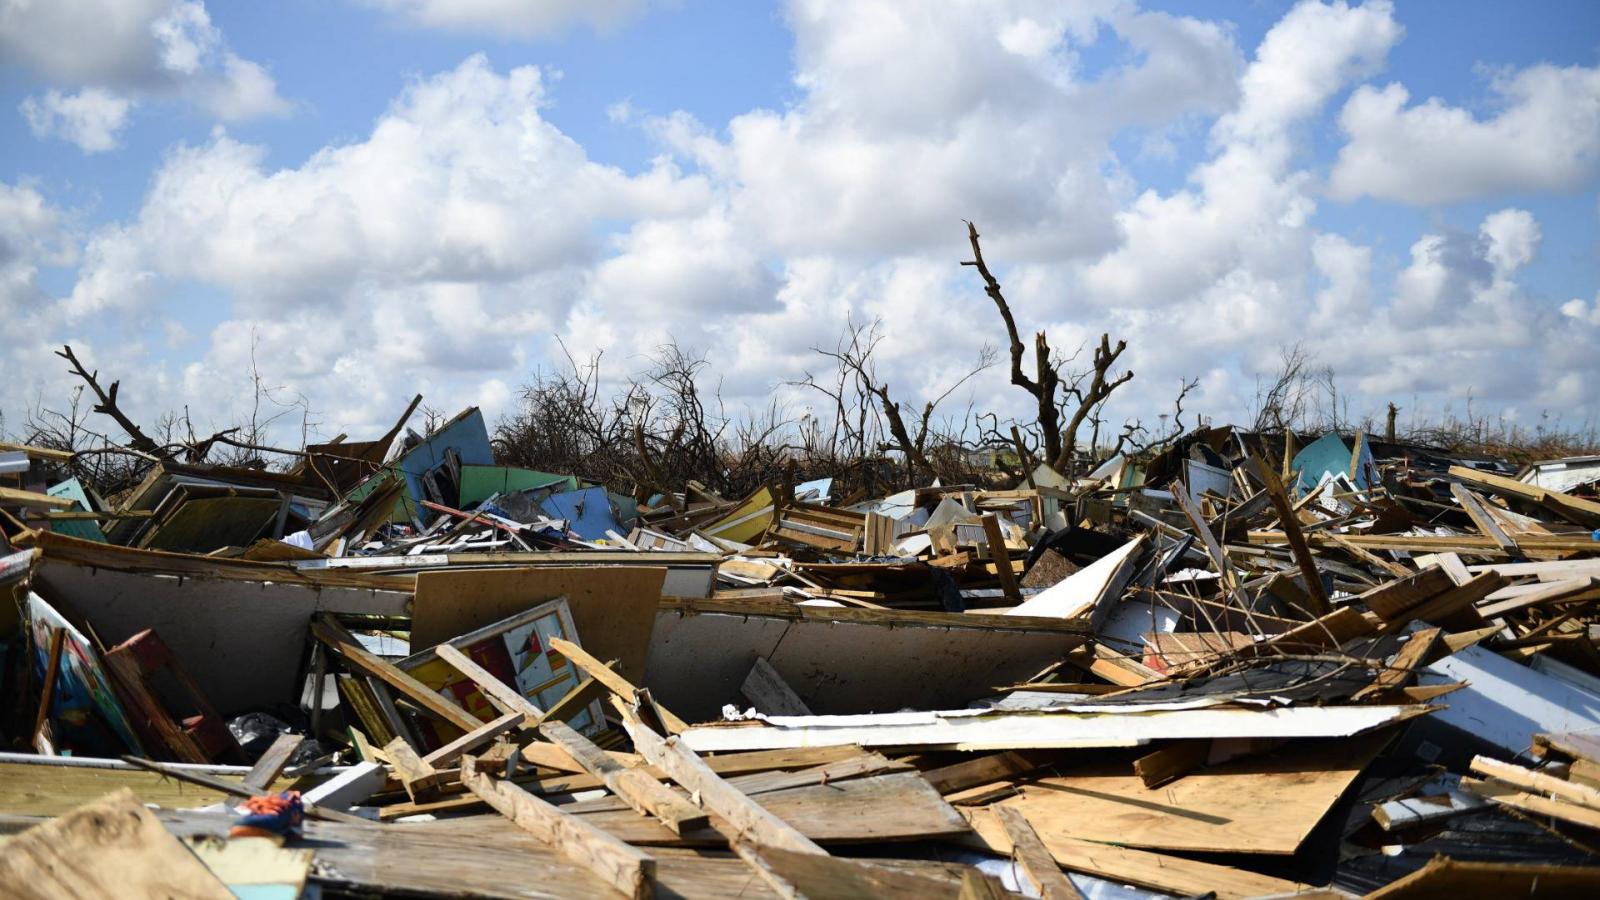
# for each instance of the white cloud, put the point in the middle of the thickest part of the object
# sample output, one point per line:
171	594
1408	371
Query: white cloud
118	52
1545	136
91	118
443	250
519	18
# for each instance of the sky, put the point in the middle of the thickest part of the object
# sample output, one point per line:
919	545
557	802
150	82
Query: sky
353	201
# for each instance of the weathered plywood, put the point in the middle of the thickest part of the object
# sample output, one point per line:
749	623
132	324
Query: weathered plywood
613	607
1262	804
113	847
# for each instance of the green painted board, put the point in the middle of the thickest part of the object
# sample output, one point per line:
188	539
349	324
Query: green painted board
478	483
88	530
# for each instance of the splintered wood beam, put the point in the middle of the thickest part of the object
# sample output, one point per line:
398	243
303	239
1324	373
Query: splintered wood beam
474	739
271	764
613	682
1412	656
637	789
628	870
331	633
416	774
1480	517
504	697
1002	558
748	819
1172	762
1292	534
1037	865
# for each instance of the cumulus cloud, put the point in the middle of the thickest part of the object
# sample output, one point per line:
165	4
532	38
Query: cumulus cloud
91	118
1544	136
443	250
117	52
520	18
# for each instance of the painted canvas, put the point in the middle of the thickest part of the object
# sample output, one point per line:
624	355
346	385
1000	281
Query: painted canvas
86	716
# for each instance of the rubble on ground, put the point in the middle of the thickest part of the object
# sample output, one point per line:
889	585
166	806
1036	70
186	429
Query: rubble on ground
1248	665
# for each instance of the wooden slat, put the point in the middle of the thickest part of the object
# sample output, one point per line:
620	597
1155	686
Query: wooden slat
1171	763
1002	559
634	787
613	682
334	635
1391	599
1291	530
1034	858
1481	518
473	739
1405	664
1528	779
504	697
31	500
743	815
271	764
628	870
415	773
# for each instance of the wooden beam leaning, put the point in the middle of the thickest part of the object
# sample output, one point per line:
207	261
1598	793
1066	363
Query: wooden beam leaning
1480	517
1292	534
631	872
331	633
271	764
613	682
1002	558
473	739
748	819
504	697
1037	865
636	788
416	775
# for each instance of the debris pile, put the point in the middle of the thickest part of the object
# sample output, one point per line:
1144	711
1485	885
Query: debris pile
1245	665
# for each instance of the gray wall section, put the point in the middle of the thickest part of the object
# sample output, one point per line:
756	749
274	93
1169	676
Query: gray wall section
241	640
698	660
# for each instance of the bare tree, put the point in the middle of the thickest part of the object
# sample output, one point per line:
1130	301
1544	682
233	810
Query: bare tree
1046	385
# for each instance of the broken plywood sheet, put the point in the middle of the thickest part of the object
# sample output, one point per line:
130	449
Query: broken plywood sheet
1069	725
113	847
842	661
1087	591
1258	804
613	607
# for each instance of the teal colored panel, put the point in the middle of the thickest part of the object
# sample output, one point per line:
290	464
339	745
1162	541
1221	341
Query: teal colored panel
89	531
478	483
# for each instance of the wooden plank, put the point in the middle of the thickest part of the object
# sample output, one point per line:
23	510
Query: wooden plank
1403	668
415	773
1171	763
984	770
113	847
1527	779
1455	609
747	819
1473	506
1002	559
1391	599
1157	871
1372	559
474	739
629	871
47	692
1291	531
1575	509
1434	543
331	633
769	693
271	764
613	682
634	787
1038	867
1445	877
31	499
1265	804
1571	590
505	698
1533	802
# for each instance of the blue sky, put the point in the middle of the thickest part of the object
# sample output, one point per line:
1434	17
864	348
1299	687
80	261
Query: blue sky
742	175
